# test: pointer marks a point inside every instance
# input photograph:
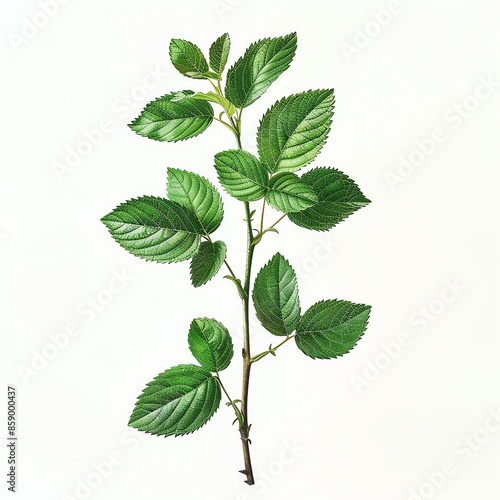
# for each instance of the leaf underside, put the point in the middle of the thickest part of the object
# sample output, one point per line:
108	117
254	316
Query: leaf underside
263	62
207	262
339	196
171	119
177	402
331	328
276	297
294	130
155	229
210	343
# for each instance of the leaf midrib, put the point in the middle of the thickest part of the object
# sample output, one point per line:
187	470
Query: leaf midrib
155	227
191	205
299	196
322	331
174	401
265	67
212	352
326	94
193	62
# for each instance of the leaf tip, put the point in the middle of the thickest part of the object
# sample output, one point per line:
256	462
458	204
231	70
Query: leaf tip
106	219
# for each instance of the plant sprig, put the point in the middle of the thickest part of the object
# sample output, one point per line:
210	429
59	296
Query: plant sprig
180	226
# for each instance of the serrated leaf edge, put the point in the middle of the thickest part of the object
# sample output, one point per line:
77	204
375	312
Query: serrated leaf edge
187	433
297	334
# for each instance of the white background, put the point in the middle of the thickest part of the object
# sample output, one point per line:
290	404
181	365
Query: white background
352	440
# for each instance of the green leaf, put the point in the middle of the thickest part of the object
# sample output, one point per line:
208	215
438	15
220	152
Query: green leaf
177	402
207	262
331	328
172	118
263	62
219	52
188	59
210	343
288	193
229	108
155	229
198	195
293	131
276	296
241	175
339	197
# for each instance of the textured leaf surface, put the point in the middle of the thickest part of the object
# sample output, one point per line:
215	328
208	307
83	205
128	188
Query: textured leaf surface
177	402
339	197
229	108
288	193
263	62
293	131
207	262
171	118
198	195
241	174
219	52
210	343
155	229
331	328
188	58
276	296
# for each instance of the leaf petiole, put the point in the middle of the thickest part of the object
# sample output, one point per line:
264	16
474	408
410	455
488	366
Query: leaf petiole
230	270
225	124
241	292
262	216
274	224
231	402
271	350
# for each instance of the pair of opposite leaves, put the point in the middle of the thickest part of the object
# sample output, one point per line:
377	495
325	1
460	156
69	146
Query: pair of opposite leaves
183	398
